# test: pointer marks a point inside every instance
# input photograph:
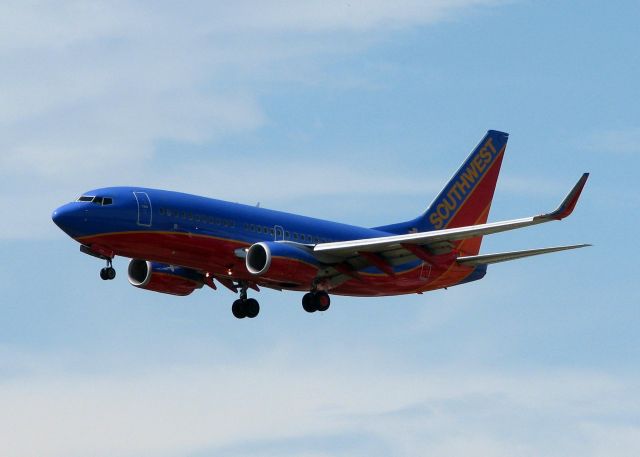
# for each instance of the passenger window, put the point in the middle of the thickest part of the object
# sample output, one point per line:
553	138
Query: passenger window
197	218
295	236
272	232
162	211
168	212
287	235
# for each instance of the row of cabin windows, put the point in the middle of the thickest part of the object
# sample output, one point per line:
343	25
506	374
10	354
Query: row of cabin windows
248	227
287	234
187	215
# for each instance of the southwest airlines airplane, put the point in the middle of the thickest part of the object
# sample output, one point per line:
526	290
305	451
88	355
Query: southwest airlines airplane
180	242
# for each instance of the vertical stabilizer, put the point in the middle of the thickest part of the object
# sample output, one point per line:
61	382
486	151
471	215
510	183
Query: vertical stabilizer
466	199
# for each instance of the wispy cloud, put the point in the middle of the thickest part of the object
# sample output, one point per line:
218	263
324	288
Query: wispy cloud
178	410
619	142
88	90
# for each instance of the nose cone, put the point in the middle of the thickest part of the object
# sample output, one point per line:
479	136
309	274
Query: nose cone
67	217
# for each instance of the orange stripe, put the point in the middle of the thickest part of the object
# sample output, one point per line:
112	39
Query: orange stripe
476	185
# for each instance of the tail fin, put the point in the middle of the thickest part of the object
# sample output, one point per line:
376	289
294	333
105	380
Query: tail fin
466	199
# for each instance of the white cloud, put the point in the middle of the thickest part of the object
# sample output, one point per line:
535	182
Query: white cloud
620	142
175	410
89	89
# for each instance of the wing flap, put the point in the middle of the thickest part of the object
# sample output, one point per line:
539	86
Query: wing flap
487	259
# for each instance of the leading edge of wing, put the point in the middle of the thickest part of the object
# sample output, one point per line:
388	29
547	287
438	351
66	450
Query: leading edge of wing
345	248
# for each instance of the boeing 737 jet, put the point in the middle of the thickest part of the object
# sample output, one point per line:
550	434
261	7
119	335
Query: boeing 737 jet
179	242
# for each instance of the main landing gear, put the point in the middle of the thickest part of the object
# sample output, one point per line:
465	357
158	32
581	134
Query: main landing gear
108	273
316	301
245	307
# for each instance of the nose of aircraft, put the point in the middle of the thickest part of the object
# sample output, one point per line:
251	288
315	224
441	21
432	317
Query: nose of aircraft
66	217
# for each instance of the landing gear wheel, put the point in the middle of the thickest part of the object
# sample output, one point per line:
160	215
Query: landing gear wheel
107	273
238	309
309	303
322	301
245	307
251	307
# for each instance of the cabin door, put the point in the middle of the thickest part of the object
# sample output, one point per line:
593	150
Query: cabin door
425	271
279	233
144	208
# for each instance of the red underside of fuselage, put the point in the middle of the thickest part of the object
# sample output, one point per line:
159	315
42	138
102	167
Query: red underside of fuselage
217	257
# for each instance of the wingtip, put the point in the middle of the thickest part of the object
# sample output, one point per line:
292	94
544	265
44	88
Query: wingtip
568	204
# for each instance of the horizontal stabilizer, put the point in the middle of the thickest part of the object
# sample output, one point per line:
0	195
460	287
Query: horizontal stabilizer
513	255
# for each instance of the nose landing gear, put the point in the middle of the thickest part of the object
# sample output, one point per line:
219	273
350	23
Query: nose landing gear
108	273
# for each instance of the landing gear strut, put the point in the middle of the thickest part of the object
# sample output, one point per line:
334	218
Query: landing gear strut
108	273
245	307
316	301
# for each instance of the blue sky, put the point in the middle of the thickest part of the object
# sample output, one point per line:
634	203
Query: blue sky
351	111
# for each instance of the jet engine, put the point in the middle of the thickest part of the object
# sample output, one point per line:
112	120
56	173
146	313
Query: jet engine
282	262
160	277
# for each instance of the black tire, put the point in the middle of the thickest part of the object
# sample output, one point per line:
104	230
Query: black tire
251	307
111	273
309	303
238	309
322	301
103	274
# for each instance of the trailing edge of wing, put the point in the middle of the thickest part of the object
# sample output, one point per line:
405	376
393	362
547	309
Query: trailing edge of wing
351	247
513	255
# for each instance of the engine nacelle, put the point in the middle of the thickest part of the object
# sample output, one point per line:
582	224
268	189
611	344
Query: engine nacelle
160	277
282	262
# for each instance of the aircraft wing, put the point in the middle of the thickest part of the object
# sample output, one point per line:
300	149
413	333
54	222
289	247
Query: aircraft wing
352	248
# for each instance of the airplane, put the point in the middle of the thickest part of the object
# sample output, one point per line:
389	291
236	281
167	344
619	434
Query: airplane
178	242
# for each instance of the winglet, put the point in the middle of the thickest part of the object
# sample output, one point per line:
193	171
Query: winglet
567	205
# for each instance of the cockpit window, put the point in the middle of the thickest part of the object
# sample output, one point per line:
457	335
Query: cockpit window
102	201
